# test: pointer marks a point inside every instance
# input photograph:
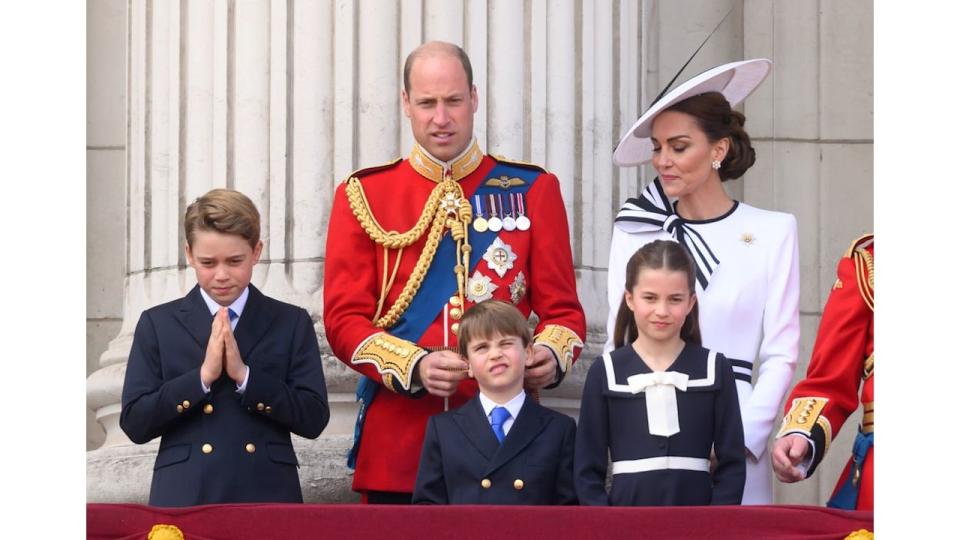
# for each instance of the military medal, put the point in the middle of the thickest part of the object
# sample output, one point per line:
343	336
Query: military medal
479	224
499	257
480	288
509	224
523	222
494	223
518	288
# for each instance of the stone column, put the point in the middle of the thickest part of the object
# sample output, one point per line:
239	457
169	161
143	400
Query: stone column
282	99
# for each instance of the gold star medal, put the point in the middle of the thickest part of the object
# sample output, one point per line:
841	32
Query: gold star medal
518	289
499	257
480	288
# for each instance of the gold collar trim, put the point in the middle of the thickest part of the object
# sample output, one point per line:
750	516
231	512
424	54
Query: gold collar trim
459	167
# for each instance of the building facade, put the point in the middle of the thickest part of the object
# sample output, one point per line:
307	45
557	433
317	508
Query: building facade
282	99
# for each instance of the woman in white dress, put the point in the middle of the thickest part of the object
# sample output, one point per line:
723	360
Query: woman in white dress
747	258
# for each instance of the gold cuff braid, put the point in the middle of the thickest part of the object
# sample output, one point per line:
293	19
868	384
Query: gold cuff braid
562	341
394	358
804	414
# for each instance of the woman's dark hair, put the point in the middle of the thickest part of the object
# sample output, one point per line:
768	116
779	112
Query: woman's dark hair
659	254
717	120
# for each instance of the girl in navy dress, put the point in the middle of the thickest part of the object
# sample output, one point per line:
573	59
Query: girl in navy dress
664	407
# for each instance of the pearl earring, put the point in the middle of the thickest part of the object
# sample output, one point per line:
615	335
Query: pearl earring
715	164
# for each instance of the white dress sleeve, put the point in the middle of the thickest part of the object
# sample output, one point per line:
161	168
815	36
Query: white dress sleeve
780	344
620	253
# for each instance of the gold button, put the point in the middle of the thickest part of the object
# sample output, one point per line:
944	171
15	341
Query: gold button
455	301
455	314
455	327
186	404
250	448
179	408
206	448
267	409
208	408
518	484
485	483
260	406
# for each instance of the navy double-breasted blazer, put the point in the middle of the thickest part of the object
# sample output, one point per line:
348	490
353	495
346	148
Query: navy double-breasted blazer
462	462
223	446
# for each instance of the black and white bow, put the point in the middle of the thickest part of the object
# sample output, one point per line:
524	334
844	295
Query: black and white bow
652	211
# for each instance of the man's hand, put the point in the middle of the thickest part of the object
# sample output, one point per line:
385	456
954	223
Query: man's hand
212	365
441	371
786	453
234	365
541	368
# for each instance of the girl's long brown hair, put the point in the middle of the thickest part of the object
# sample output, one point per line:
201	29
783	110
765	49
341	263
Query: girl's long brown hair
659	254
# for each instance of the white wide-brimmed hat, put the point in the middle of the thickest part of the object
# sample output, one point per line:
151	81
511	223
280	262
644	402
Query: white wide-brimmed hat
735	81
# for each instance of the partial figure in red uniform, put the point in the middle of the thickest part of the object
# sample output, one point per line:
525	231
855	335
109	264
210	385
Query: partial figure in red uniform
820	403
415	242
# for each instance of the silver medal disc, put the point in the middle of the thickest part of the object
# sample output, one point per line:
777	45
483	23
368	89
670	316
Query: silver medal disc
509	224
523	223
494	224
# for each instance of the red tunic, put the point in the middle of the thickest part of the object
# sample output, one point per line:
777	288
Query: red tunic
842	358
396	196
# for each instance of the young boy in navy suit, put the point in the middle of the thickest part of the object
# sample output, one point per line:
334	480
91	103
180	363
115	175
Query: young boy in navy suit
224	374
501	447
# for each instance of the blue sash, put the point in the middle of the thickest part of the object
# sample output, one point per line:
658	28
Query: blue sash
846	496
439	284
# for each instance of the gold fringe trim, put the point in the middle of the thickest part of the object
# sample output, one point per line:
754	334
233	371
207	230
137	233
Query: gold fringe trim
863	263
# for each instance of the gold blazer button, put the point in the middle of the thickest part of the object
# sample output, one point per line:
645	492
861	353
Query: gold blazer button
485	483
206	448
518	484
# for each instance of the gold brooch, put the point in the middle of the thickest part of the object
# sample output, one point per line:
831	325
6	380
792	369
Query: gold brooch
747	238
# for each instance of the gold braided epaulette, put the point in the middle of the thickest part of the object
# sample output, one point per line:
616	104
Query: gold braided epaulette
863	263
861	242
804	414
562	341
524	164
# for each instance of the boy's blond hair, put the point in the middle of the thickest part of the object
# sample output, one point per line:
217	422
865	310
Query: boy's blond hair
225	211
489	318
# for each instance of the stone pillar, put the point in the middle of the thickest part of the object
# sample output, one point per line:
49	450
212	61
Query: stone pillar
282	99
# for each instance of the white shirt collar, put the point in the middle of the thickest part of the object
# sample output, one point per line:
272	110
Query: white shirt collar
513	406
236	306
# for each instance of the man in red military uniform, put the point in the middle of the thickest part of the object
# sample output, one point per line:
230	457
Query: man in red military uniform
412	244
820	404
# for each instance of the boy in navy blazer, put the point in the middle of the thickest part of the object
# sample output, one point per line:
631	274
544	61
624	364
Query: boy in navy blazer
501	447
224	374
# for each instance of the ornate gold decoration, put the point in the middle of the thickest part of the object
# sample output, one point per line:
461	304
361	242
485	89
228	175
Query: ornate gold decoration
861	534
837	284
804	413
431	168
505	182
446	208
393	357
747	238
562	341
863	261
868	367
162	531
518	289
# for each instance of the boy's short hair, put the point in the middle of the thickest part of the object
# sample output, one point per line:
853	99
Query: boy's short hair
489	318
225	211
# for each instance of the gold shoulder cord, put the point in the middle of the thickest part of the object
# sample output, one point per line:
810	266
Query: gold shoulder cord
446	208
863	260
